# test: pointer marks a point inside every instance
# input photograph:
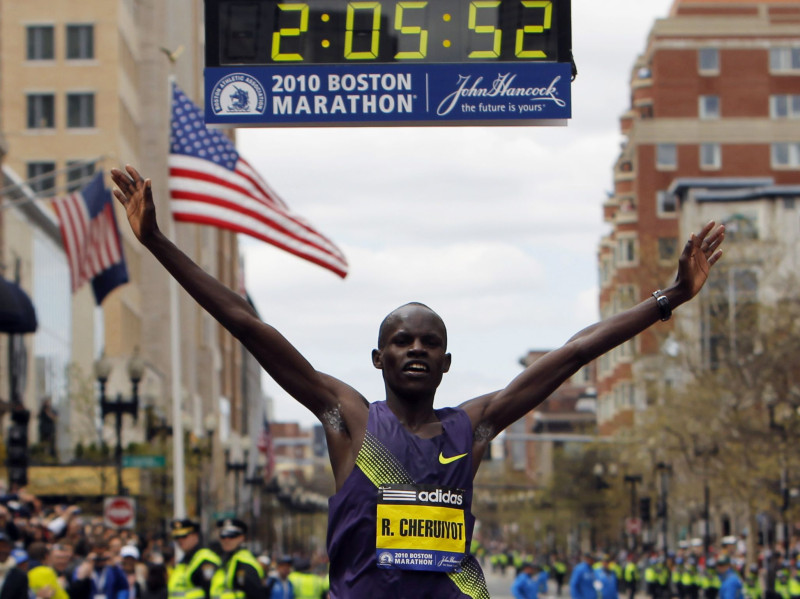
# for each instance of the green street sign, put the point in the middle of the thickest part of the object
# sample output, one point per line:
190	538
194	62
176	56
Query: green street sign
223	515
143	461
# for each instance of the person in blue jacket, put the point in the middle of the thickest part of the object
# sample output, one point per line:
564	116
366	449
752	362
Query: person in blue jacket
581	583
541	579
524	585
731	587
99	577
608	580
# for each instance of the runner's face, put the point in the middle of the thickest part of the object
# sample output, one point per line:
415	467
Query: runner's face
413	357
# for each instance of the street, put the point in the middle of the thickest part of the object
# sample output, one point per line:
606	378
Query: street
499	585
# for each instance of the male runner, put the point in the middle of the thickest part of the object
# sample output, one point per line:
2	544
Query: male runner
400	522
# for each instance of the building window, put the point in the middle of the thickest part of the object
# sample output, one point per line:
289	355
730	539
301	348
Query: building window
42	178
784	60
80	42
709	107
730	331
627	297
741	227
626	251
80	110
710	156
40	42
666	156
79	173
784	106
786	155
708	60
666	202
667	249
41	111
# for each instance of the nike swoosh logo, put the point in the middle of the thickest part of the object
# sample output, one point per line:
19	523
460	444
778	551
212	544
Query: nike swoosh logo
450	460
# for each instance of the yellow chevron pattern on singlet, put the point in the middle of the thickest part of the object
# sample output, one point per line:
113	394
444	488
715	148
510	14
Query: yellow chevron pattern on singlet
381	467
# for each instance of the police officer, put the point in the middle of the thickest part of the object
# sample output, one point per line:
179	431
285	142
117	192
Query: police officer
241	575
631	576
560	572
307	585
752	583
782	581
191	577
690	579
794	580
711	582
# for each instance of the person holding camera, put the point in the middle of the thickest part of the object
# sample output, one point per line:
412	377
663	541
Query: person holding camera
99	577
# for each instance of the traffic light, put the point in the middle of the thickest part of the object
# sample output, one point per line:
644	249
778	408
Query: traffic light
644	509
17	447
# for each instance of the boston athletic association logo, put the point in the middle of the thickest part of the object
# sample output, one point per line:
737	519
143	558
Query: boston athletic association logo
239	94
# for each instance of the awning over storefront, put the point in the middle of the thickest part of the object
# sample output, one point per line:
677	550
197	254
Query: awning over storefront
17	314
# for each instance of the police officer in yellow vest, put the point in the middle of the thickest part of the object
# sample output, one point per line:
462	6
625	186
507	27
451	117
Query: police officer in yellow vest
752	583
191	577
241	575
307	585
794	580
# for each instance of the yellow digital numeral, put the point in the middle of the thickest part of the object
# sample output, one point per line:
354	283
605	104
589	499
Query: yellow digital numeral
547	5
488	29
352	7
411	30
277	55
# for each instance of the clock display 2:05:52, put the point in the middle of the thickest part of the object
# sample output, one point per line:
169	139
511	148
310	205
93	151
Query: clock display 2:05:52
270	32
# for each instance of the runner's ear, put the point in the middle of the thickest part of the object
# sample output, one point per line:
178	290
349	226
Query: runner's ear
448	359
377	361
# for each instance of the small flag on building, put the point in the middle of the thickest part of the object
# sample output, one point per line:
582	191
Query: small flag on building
211	184
91	239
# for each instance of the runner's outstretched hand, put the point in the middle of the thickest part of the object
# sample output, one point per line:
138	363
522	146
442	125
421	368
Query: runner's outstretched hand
699	255
136	195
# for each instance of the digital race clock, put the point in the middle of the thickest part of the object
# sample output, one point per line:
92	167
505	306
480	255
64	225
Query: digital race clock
271	62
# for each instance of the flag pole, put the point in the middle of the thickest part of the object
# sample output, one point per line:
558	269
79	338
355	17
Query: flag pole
178	466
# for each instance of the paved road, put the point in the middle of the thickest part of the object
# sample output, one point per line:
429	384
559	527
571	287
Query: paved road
499	586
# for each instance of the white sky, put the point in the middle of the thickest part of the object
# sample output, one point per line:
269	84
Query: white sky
495	228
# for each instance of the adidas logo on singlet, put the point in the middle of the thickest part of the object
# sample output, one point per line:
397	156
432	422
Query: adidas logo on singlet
439	496
433	496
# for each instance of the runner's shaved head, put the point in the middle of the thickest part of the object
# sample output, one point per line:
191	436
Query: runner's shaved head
397	314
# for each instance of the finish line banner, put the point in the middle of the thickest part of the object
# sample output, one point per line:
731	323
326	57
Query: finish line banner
389	94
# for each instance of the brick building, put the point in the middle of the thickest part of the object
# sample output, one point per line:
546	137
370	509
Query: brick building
714	95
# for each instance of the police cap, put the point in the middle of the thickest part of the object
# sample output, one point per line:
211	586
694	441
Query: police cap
181	527
231	527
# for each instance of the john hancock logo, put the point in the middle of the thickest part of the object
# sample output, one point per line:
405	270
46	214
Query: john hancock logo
501	87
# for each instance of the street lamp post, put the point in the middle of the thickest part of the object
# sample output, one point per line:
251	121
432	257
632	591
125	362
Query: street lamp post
772	403
664	469
706	452
633	480
256	483
102	370
242	447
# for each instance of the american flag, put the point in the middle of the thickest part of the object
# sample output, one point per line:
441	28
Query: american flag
91	239
265	446
211	184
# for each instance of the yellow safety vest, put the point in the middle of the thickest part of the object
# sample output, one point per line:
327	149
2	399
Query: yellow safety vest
180	581
307	585
794	587
222	582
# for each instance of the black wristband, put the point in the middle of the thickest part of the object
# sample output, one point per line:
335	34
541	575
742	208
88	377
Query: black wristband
662	301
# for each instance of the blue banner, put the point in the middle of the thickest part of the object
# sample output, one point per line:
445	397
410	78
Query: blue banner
389	94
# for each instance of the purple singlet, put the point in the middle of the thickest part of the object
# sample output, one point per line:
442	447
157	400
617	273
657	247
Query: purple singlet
401	524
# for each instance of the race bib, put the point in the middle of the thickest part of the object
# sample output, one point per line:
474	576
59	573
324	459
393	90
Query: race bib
421	527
